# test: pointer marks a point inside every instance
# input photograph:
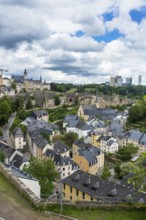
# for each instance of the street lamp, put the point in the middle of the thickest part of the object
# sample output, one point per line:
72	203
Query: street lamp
60	194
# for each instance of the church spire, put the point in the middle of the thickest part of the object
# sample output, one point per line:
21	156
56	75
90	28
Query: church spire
25	74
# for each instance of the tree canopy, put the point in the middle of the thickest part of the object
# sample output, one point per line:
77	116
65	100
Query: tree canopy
105	173
67	138
5	110
57	100
2	156
44	171
125	153
129	167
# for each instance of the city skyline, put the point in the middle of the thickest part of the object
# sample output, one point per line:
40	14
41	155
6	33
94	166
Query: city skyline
84	41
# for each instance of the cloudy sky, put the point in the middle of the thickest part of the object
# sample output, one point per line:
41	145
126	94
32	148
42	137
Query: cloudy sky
80	41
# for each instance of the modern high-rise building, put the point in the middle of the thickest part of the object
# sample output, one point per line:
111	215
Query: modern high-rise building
139	80
116	81
129	81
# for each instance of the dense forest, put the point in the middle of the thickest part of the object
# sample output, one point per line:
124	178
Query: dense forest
129	91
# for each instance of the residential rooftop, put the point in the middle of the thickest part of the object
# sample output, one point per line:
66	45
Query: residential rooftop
103	190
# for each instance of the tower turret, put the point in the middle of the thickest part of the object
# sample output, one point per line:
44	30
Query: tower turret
25	74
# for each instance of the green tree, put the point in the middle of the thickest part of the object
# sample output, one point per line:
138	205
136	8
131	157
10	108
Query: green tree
2	156
105	173
44	171
118	171
22	114
19	103
135	113
13	85
29	104
138	179
57	100
67	138
1	133
129	167
5	111
125	153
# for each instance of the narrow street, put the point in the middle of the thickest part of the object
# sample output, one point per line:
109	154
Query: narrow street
6	127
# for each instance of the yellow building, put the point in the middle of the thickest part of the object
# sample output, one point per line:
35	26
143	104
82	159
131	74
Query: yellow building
94	137
85	111
81	186
89	158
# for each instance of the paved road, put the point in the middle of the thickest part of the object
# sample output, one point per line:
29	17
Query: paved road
6	127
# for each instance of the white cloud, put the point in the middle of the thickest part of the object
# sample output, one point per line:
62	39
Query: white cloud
41	35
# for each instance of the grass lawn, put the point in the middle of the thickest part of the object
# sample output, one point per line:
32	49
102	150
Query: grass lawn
108	214
8	192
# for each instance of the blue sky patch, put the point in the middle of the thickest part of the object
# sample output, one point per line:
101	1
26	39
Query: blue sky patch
79	33
108	16
138	15
109	36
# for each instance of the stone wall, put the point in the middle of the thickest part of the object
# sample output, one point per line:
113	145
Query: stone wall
104	101
19	185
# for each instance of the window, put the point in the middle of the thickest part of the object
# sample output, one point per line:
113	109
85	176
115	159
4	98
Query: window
77	192
70	189
64	185
63	168
91	198
83	195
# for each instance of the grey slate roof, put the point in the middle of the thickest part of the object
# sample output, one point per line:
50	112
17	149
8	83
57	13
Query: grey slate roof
41	124
88	151
39	113
8	151
29	120
17	160
40	141
102	190
89	156
103	113
18	79
21	174
17	132
73	123
104	138
133	134
80	125
69	118
116	128
62	161
142	140
50	153
82	145
60	147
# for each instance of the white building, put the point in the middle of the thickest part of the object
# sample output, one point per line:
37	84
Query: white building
65	165
116	81
28	181
17	138
108	144
6	81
